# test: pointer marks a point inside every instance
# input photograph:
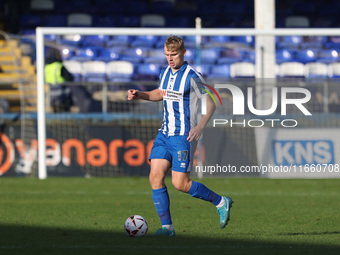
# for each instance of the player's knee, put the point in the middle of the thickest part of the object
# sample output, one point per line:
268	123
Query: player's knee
180	185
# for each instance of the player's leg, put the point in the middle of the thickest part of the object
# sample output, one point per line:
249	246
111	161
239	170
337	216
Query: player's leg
182	182
160	196
181	165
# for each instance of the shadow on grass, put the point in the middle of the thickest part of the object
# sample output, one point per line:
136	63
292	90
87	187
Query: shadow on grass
42	240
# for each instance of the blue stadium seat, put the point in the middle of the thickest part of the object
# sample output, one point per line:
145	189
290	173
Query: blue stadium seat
179	21
147	41
30	21
283	55
95	40
107	55
71	40
128	21
248	55
148	72
94	71
85	54
245	40
289	42
328	56
190	41
120	40
108	7
219	71
229	55
218	40
160	42
135	56
313	42
333	42
84	6
104	21
66	52
155	56
55	20
205	69
306	55
190	55
209	56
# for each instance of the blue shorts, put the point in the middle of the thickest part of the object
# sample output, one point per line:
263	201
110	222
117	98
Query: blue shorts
176	149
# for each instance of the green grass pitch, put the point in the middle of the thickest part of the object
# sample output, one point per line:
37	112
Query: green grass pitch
86	216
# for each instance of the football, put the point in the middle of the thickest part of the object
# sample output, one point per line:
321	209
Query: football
136	225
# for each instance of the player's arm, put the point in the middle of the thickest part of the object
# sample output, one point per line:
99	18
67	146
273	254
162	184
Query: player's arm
196	132
153	95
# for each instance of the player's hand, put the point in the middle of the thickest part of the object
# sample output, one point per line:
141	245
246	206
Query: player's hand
133	94
195	134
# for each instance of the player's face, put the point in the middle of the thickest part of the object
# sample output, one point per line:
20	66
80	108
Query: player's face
175	58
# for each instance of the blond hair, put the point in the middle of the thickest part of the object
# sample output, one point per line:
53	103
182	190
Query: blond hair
173	43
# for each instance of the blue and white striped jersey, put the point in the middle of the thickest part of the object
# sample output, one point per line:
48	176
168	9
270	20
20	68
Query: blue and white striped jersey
181	92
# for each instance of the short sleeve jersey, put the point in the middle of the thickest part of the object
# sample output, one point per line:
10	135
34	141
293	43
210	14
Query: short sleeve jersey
181	93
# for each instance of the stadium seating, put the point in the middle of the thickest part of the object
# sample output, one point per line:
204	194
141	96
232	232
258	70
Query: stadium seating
242	69
328	56
219	71
305	55
147	41
71	40
296	22
289	42
209	56
119	71
229	55
134	55
79	20
85	54
95	40
42	5
155	56
152	20
107	55
283	55
141	51
55	20
316	70
292	69
75	68
334	70
147	72
94	71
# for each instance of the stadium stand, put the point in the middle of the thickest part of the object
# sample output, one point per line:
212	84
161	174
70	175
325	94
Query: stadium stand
142	55
316	70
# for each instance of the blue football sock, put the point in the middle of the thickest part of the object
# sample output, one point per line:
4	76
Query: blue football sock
161	200
199	190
